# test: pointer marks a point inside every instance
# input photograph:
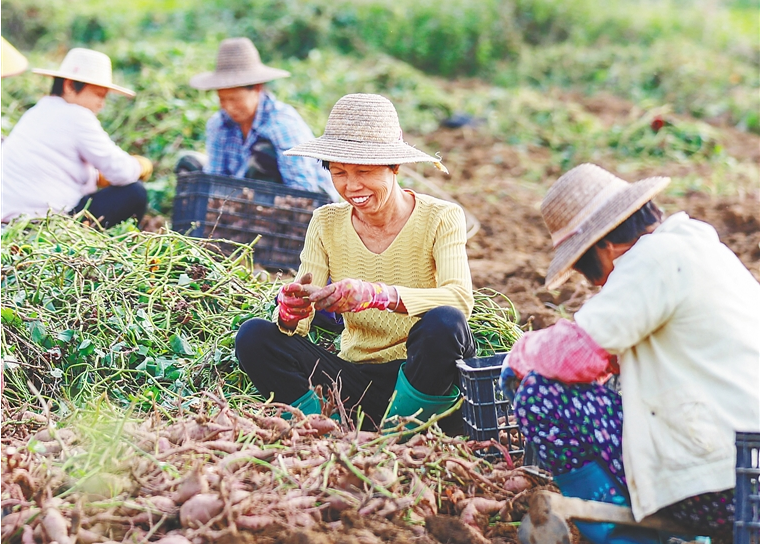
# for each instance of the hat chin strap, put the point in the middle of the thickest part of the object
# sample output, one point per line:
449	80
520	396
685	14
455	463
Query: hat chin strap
594	205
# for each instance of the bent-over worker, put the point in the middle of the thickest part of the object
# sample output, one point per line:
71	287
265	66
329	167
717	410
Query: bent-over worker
678	314
58	155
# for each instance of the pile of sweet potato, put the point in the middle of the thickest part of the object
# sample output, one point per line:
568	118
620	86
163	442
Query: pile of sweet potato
211	472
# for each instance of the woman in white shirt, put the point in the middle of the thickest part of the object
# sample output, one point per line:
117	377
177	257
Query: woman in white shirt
678	317
58	155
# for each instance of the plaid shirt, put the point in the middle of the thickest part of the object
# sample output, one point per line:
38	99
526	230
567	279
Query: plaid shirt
281	125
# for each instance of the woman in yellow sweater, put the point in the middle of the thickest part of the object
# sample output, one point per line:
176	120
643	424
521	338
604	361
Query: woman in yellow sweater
392	261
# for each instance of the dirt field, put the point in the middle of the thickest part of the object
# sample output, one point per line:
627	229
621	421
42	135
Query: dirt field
512	250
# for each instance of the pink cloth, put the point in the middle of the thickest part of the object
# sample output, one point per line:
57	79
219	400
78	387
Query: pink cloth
563	352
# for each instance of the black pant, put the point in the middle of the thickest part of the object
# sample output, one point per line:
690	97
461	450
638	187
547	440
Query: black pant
284	365
115	203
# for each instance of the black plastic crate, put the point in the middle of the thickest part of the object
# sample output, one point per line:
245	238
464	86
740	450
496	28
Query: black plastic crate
487	413
747	524
207	206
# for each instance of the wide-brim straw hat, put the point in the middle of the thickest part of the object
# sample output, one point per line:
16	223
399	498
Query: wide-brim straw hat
363	129
584	205
13	62
87	66
238	65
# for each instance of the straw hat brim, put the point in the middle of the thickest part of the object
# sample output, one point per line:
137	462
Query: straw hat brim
208	81
610	215
14	62
110	86
352	152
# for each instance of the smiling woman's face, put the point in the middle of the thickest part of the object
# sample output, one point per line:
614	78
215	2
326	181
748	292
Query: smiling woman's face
367	188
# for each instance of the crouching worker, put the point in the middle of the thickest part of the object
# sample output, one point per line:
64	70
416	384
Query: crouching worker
678	315
398	273
58	155
249	135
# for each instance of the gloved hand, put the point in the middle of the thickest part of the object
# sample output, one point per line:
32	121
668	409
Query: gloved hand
350	295
102	181
293	301
146	167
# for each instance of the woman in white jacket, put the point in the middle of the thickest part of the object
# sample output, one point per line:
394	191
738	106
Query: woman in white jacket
58	155
678	314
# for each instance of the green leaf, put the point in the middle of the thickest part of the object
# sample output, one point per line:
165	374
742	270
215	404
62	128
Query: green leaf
38	332
57	373
10	317
86	347
66	336
179	345
184	280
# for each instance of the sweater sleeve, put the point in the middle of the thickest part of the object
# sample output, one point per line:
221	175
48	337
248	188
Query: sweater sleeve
314	259
641	294
454	285
94	146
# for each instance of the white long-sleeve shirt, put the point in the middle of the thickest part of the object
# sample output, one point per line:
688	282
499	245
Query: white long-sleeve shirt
683	314
52	157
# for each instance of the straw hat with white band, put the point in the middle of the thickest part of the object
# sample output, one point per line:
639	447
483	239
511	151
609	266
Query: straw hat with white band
238	65
13	62
87	66
363	129
584	205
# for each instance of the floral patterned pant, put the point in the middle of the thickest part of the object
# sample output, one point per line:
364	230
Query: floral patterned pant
573	425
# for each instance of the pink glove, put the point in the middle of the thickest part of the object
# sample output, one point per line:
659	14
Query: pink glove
563	352
351	295
293	301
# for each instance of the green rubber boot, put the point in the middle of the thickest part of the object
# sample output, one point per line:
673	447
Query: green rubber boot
308	403
409	400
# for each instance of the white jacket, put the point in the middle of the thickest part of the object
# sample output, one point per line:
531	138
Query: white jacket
52	157
682	313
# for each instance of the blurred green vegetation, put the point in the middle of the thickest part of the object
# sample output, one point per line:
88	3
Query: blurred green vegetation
687	65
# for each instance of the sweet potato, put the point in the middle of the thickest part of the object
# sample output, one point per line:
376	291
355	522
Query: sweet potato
14	521
56	527
517	482
200	509
479	506
254	523
193	484
173	539
88	537
321	424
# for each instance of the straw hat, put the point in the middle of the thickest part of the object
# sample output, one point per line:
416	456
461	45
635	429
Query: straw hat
13	62
584	205
363	129
87	66
238	65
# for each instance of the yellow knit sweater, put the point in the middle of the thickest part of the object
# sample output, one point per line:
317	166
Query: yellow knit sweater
426	263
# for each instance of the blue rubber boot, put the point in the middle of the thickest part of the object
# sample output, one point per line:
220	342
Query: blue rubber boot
594	482
409	400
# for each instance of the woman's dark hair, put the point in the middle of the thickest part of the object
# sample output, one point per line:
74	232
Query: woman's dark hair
326	166
57	89
629	231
